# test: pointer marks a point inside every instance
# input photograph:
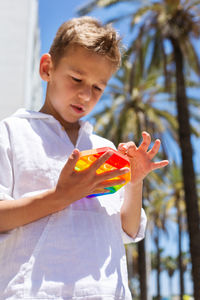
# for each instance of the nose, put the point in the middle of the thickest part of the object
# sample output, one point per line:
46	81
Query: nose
85	93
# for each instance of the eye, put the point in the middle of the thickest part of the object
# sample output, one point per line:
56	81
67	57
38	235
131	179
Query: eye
76	79
98	88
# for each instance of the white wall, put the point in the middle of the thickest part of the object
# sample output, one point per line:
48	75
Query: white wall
20	84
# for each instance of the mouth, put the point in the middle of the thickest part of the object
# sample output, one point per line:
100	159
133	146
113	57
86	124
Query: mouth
78	108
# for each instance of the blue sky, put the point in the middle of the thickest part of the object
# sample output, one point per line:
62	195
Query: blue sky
51	15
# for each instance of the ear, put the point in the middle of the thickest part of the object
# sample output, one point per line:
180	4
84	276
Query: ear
45	66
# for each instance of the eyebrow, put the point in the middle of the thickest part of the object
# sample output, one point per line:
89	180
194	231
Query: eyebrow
83	73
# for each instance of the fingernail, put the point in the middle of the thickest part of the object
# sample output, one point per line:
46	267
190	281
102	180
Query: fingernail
125	147
109	153
74	152
125	170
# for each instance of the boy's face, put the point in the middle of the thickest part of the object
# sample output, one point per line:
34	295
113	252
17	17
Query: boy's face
76	84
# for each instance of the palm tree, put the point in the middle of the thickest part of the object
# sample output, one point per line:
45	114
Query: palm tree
133	265
170	265
158	214
157	265
185	25
178	199
177	22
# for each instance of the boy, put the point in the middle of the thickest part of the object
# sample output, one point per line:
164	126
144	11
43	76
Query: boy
55	243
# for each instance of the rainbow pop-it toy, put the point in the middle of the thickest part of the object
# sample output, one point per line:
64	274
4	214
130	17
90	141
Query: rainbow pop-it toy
116	161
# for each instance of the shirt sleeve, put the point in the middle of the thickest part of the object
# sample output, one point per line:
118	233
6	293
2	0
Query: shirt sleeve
6	174
142	228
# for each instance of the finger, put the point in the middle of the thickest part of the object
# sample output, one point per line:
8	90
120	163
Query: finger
131	149
112	174
100	190
121	148
110	183
128	148
151	153
160	164
72	160
145	142
101	160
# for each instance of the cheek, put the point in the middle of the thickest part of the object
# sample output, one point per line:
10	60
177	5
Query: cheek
54	88
62	89
95	100
68	89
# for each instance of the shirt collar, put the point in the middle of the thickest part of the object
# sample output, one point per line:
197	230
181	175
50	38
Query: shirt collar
28	114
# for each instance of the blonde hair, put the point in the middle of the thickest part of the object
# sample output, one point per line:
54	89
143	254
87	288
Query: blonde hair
89	33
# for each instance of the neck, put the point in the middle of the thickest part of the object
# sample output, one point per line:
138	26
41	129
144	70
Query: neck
72	133
71	129
70	126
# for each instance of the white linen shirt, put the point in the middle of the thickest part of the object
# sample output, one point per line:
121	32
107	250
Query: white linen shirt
77	253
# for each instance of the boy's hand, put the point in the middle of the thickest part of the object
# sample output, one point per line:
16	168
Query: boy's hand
73	185
141	158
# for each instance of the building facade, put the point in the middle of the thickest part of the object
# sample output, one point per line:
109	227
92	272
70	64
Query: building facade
20	84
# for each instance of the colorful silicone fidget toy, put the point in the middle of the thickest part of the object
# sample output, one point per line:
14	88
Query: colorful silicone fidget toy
116	161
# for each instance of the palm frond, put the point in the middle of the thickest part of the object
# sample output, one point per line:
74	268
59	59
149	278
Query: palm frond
91	5
87	8
191	56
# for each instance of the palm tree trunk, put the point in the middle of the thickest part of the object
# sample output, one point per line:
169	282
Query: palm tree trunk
170	286
187	168
142	270
180	257
158	297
